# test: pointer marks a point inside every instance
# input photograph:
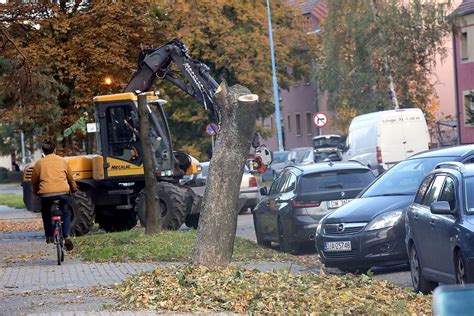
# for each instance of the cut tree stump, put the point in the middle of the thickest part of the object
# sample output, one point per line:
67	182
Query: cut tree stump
218	221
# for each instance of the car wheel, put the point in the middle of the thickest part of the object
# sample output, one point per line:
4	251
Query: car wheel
283	240
243	210
460	268
420	284
258	233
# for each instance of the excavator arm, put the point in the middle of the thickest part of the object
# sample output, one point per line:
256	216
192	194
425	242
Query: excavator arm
156	63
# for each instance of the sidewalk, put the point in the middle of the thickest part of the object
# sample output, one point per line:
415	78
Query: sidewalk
31	282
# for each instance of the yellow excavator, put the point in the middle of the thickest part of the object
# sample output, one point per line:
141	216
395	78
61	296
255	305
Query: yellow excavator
111	183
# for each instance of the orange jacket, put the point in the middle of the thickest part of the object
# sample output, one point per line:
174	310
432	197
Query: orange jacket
52	174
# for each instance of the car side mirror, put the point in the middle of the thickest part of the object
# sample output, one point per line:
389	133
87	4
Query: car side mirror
441	208
263	191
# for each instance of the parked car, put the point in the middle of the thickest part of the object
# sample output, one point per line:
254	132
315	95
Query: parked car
370	230
301	156
327	147
290	211
248	186
381	139
440	228
280	161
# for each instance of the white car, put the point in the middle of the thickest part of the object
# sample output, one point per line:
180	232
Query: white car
248	186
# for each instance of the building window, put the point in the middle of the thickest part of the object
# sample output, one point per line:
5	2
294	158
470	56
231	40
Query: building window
298	124
288	121
469	108
309	123
464	50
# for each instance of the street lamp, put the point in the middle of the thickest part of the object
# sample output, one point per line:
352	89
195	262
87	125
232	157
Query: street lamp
108	83
275	84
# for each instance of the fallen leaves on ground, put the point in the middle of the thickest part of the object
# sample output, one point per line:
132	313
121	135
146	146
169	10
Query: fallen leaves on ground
7	226
239	290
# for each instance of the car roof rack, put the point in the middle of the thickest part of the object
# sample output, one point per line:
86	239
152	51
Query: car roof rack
456	165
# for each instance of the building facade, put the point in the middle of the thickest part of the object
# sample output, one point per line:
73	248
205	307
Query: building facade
463	44
301	101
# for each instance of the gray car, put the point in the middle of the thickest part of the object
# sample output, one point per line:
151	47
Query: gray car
370	230
289	213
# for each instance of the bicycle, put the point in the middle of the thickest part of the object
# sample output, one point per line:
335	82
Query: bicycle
58	238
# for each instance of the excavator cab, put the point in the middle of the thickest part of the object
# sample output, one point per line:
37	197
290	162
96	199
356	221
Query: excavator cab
119	140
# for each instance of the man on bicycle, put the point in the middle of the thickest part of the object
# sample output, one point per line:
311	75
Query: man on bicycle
52	180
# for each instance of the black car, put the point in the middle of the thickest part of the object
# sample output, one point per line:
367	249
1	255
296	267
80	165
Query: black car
370	230
440	228
289	213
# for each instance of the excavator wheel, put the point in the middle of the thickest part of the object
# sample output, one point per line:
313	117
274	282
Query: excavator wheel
117	220
173	204
82	213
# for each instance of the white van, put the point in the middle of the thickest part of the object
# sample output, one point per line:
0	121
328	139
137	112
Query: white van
381	139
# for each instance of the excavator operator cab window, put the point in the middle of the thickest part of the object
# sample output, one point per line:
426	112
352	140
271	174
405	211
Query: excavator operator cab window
122	134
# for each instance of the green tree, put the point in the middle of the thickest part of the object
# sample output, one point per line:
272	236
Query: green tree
360	36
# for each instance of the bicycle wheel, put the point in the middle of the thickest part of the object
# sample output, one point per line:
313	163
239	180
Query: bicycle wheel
58	242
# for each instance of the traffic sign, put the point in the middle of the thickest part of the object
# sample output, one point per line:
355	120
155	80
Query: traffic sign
320	119
212	129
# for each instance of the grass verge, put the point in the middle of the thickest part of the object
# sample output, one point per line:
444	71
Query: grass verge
168	246
245	291
12	200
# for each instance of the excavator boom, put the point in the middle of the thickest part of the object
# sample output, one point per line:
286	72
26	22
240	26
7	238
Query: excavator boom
156	63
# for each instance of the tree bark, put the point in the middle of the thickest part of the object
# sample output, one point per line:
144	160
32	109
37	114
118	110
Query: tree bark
214	242
153	211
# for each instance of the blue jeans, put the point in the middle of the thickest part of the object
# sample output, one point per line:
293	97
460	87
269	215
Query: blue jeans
46	203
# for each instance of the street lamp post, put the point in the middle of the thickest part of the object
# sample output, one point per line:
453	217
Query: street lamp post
276	97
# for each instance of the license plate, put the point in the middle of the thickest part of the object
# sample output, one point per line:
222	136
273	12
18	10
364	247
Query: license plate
333	246
338	203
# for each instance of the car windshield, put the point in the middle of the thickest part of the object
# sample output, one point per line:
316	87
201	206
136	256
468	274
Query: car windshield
280	157
469	185
332	141
405	177
205	169
341	179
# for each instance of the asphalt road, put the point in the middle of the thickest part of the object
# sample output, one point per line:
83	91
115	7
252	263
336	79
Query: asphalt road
398	275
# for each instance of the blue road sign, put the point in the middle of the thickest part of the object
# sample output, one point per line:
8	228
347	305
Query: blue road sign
212	129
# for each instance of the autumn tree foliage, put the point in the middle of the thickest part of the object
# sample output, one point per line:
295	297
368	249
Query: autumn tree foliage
359	36
231	37
54	59
55	56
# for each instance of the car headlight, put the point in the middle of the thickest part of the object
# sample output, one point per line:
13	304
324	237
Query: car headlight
385	220
320	224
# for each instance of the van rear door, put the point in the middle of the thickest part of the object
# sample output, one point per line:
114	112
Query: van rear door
392	138
416	133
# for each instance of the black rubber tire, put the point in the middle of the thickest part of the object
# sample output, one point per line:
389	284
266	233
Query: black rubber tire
258	234
192	220
175	202
243	210
419	282
461	269
58	252
83	213
284	243
117	221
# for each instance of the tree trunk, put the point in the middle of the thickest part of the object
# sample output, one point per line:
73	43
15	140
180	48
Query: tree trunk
153	212
214	242
386	61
